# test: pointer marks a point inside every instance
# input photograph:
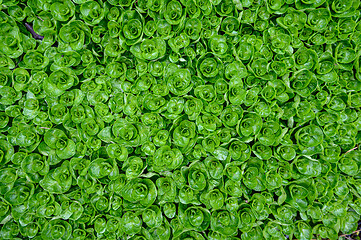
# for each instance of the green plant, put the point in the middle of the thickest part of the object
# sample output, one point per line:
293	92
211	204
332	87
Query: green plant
189	119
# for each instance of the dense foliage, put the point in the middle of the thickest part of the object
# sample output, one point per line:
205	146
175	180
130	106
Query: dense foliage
180	119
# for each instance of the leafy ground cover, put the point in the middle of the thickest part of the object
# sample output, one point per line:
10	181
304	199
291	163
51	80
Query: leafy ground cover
183	120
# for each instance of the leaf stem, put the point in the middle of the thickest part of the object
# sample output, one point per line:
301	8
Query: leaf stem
345	235
351	149
33	33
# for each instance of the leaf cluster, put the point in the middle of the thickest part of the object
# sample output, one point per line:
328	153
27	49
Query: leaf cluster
180	119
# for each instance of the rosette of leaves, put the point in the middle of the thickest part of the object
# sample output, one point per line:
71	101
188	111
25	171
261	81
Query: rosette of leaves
34	60
57	229
304	82
164	29
152	217
213	199
239	150
17	197
277	7
218	45
309	139
230	26
129	134
273	180
174	13
178	80
8	177
234	71
209	67
169	210
197	176
259	67
6	152
149	49
150	28
191	8
9	95
305	59
187	195
166	189
11	40
132	27
45	24
153	121
214	167
194	217
245	50
56	141
254	177
224	222
100	203
155	5
324	231
117	152
17	13
161	138
303	166
346	136
300	194
133	167
92	13
6	62
179	42
59	81
349	163
62	10
318	19
346	28
294	20
175	107
166	159
326	68
286	152
50	209
101	168
250	125
58	180
271	133
143	83
74	34
233	171
345	55
193	28
35	167
116	70
23	136
67	59
138	193
205	92
285	214
193	107
184	134
279	39
340	10
273	230
163	231
20	79
247	218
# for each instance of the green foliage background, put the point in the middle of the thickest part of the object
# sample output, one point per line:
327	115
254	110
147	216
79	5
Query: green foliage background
183	120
